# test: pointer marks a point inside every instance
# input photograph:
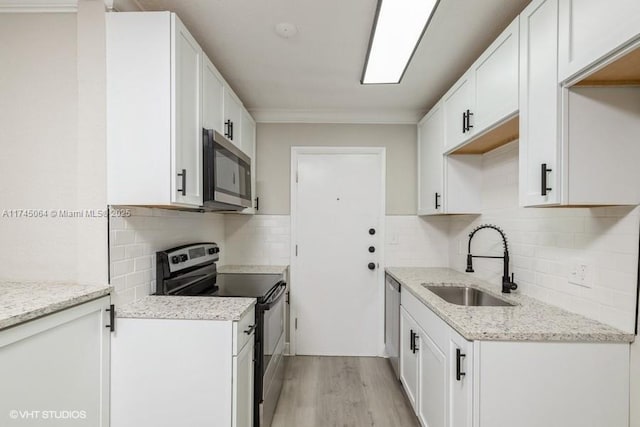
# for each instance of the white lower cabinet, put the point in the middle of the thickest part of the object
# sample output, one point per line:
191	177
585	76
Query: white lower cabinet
452	382
55	369
171	372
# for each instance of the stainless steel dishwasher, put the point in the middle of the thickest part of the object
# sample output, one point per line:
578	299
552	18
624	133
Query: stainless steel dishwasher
392	323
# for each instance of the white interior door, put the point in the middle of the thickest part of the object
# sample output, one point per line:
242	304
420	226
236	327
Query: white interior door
337	216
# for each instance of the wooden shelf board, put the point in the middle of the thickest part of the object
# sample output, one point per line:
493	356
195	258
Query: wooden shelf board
494	138
624	71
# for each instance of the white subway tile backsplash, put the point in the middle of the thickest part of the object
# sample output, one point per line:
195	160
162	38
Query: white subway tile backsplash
136	239
545	244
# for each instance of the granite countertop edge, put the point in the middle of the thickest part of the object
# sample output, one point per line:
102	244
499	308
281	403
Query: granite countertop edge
447	312
29	313
187	308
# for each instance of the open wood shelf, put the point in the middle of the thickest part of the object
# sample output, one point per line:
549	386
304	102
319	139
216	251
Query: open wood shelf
500	135
624	71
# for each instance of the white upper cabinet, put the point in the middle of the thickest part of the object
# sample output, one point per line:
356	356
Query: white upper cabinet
186	116
212	97
486	95
430	162
495	75
592	29
457	105
232	117
447	184
578	145
154	134
162	90
249	148
539	105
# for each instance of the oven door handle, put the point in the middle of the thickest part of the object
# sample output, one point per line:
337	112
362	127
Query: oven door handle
275	297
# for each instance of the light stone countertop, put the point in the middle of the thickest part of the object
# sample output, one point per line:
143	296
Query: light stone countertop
530	320
187	308
252	269
24	301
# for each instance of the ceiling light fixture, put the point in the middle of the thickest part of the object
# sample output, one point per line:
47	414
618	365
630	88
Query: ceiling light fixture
397	30
286	30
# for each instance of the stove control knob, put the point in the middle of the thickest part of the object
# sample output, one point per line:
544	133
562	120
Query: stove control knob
183	257
175	259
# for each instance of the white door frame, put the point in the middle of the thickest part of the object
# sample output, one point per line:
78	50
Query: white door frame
295	152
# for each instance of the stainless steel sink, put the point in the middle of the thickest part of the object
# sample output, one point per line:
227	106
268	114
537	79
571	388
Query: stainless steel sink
464	295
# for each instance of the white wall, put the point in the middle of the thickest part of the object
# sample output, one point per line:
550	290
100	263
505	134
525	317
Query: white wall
544	244
134	240
38	131
274	159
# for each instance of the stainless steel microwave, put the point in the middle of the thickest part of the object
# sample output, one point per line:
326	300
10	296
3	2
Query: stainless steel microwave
226	174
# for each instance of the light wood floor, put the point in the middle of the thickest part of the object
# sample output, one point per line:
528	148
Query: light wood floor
342	391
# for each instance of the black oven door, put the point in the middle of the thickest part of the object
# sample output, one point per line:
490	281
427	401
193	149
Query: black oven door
269	373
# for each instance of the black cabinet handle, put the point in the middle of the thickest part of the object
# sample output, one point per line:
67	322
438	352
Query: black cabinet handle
543	175
459	356
227	129
437	201
231	137
411	340
464	122
415	345
112	318
183	190
250	330
257	203
469	125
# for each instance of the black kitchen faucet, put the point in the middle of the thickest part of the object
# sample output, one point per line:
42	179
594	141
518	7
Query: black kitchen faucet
508	284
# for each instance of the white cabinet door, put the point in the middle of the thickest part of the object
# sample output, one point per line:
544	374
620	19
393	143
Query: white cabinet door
249	148
57	363
430	162
409	357
495	75
456	103
592	29
187	129
232	117
433	383
460	381
539	105
243	387
212	97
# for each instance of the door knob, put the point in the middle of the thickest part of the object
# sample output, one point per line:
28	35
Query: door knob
372	266
372	249
372	231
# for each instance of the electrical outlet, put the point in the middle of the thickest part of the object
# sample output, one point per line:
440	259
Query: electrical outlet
579	273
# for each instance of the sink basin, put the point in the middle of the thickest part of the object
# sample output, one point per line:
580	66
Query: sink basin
463	295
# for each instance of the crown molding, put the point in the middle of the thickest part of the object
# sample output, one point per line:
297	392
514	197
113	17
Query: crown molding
38	6
52	6
360	116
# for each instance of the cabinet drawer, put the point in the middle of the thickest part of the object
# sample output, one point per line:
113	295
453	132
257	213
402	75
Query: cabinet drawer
243	331
435	327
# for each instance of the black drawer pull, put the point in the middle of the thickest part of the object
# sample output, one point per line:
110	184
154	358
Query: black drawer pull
459	356
543	174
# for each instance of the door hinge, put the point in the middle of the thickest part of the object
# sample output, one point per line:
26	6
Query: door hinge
296	177
112	318
296	250
296	323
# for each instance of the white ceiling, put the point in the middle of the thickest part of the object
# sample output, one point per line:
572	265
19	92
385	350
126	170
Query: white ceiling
319	69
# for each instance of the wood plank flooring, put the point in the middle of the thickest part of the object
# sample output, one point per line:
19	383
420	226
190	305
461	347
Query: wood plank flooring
342	392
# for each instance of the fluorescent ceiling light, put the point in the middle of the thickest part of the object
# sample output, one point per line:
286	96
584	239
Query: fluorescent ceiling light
397	30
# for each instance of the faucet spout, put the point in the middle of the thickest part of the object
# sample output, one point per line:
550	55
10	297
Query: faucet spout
508	284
